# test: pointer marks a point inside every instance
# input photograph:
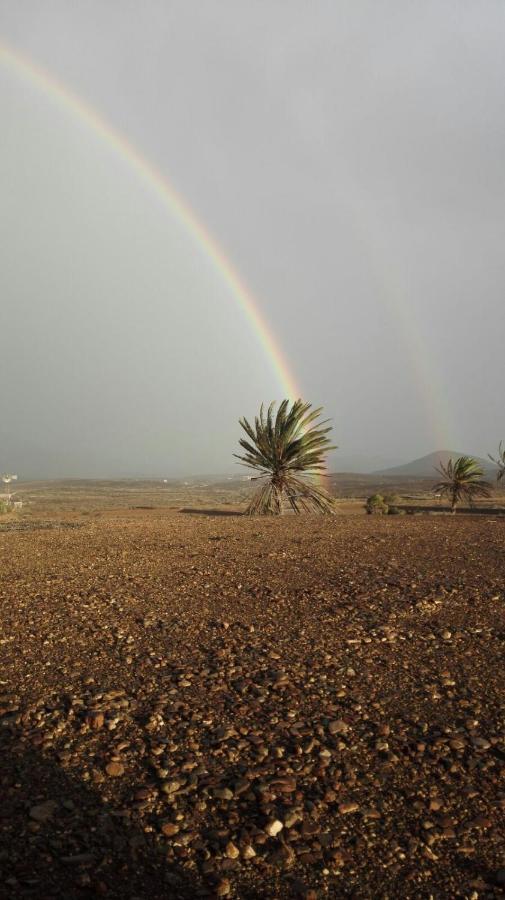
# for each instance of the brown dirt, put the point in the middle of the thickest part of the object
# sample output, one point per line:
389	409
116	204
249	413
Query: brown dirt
173	684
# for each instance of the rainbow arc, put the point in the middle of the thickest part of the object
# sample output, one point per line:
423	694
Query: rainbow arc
392	294
168	195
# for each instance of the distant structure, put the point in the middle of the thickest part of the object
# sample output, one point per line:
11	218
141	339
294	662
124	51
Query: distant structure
9	498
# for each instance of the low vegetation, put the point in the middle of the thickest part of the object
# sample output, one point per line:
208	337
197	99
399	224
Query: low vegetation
376	505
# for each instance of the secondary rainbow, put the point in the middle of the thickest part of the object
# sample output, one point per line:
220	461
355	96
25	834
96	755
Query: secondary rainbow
168	195
391	292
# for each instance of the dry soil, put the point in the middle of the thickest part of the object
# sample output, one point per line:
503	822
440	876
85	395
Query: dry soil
196	705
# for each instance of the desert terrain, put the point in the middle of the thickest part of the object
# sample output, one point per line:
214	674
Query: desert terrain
198	704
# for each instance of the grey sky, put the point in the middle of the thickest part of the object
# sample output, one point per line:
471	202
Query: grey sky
349	159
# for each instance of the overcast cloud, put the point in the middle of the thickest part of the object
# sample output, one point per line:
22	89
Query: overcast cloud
349	159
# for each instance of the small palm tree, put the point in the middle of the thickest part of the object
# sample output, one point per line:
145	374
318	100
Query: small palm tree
282	449
462	478
500	461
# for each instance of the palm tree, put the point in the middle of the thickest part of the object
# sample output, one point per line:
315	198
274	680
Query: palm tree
462	478
282	449
500	462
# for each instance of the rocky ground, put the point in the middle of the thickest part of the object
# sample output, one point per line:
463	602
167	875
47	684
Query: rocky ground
197	706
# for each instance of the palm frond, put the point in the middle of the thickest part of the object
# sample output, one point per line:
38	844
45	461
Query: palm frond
500	461
282	446
462	479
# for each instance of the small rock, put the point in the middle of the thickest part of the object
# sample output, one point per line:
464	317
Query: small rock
170	787
345	808
273	827
169	829
284	856
372	813
114	769
43	811
338	727
95	720
232	851
142	794
223	794
481	822
223	888
292	817
78	859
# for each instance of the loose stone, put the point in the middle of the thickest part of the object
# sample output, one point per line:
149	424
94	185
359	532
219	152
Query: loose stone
273	827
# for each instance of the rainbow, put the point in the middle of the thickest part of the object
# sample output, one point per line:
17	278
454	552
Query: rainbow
166	193
392	293
366	224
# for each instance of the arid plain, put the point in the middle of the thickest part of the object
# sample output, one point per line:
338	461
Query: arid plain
196	703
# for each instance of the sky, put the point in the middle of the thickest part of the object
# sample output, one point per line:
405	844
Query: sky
347	158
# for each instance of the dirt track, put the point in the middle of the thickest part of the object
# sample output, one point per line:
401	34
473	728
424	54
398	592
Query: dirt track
173	686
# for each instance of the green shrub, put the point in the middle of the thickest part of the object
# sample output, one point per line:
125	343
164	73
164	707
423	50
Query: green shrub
395	511
376	505
3	507
392	499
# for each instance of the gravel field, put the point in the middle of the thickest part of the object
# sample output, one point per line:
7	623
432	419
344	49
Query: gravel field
216	706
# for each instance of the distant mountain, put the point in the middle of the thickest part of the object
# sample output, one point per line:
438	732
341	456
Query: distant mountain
425	466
